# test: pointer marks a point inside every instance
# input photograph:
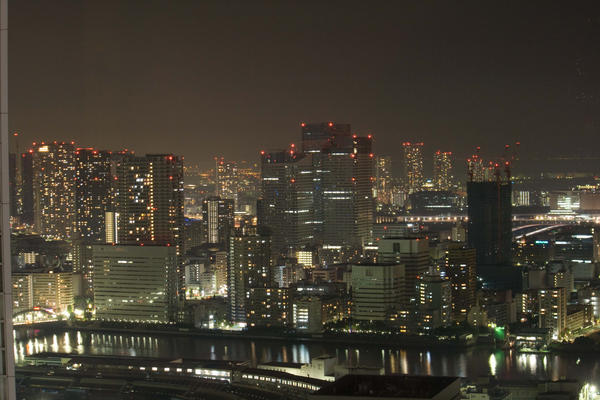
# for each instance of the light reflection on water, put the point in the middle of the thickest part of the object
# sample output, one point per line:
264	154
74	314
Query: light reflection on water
440	361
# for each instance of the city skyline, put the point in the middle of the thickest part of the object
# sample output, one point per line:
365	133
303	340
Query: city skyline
288	200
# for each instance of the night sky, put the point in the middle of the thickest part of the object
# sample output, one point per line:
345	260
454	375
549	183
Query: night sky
230	78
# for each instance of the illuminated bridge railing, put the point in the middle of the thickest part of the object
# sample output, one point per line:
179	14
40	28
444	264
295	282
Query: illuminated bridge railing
34	316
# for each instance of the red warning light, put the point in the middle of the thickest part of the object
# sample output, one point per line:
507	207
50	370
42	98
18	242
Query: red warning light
331	124
303	124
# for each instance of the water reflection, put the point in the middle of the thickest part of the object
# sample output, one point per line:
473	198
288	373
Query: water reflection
442	361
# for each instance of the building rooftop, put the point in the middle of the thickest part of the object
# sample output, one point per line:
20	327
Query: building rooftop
389	386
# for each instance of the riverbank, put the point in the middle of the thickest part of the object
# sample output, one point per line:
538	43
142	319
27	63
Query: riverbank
388	340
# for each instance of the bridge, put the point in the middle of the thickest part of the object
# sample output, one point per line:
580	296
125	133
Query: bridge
35	315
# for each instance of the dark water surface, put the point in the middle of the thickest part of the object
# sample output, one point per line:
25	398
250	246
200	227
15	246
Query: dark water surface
471	362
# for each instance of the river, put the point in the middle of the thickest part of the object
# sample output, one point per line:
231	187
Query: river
470	362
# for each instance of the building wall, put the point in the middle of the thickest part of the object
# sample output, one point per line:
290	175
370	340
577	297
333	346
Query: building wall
135	283
376	290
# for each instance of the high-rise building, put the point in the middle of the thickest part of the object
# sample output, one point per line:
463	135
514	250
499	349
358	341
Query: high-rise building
412	164
376	290
48	290
194	233
268	307
461	263
553	310
93	193
7	357
226	179
316	136
26	188
135	283
217	219
490	221
323	195
383	180
413	253
434	302
443	178
286	206
343	192
54	189
249	267
149	200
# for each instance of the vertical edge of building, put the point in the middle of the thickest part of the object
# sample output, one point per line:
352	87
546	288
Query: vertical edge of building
7	372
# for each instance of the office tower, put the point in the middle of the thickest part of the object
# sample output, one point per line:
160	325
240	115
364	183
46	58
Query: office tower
249	267
553	310
7	364
412	164
383	180
343	192
135	283
434	302
268	307
226	179
194	233
323	195
26	188
149	200
93	193
413	253
217	220
376	290
490	221
443	178
286	206
316	136
54	189
461	263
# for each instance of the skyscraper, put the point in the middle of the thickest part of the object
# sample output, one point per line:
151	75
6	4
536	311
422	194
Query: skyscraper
443	178
414	254
286	206
218	220
343	191
383	179
26	188
226	179
316	136
7	364
490	221
93	194
54	189
323	195
149	200
412	164
461	269
249	267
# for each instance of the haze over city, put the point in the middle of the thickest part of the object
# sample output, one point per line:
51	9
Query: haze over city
271	200
228	78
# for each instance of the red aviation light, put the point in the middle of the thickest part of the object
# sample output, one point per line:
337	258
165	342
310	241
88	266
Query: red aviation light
371	155
370	136
262	152
330	124
293	180
15	134
292	145
303	124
